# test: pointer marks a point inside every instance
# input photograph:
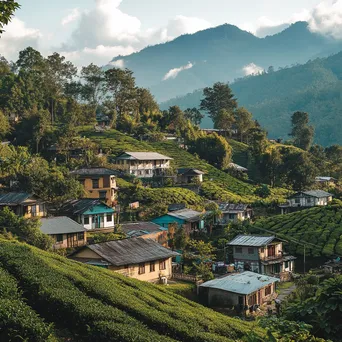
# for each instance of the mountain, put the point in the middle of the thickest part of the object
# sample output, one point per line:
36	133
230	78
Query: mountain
220	54
315	87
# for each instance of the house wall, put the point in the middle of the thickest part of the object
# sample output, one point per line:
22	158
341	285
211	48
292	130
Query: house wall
69	240
160	237
188	227
263	251
143	168
86	253
30	210
183	179
106	223
308	201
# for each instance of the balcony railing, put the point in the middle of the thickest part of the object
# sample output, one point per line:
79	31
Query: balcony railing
272	257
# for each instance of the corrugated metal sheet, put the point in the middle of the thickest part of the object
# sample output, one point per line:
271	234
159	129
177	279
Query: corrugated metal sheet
186	215
232	207
94	171
147	227
131	251
13	198
251	240
60	225
189	172
237	167
143	156
313	193
83	205
241	283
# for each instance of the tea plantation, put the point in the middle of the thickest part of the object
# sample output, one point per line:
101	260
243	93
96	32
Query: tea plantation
320	226
42	293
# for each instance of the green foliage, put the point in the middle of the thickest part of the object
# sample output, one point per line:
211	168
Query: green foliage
112	307
301	132
7	9
263	191
101	237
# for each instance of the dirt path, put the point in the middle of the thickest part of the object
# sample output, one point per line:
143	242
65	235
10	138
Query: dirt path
285	292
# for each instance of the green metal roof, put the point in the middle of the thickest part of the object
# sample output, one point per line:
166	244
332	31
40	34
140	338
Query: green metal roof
85	205
14	198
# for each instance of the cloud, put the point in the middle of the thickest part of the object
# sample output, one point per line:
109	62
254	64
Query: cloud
17	37
119	63
72	16
252	69
173	73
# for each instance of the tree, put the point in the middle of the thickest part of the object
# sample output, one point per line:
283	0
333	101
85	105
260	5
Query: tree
263	191
243	121
194	115
258	142
271	162
302	132
7	8
218	97
224	120
5	127
177	118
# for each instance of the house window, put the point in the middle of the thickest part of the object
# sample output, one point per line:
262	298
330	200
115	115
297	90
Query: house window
162	265
86	219
34	210
152	266
109	217
103	195
250	250
95	183
59	238
238	250
231	216
268	290
80	236
297	200
262	250
141	268
41	208
286	264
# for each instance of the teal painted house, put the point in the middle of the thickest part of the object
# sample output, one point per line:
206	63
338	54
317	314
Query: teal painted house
91	213
190	220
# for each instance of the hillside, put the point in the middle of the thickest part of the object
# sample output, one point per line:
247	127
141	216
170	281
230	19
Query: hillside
44	295
220	54
217	184
320	226
314	87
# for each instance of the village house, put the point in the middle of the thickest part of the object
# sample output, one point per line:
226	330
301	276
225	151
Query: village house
188	175
143	164
232	212
189	219
102	120
139	258
261	254
99	183
23	204
66	232
238	290
146	230
326	181
306	199
237	167
91	213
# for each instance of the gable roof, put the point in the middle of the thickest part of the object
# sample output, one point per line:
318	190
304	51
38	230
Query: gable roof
141	228
251	240
324	179
313	193
131	251
60	225
142	156
80	206
237	167
186	214
94	171
15	198
189	171
243	283
232	207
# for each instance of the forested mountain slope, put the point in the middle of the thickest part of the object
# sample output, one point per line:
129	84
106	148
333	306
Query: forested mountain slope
220	54
44	295
314	87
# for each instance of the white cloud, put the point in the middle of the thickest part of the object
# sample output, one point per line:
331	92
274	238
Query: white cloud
252	69
72	16
119	63
17	37
173	73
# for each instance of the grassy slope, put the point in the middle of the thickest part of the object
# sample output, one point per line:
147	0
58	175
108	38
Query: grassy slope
321	226
95	304
217	183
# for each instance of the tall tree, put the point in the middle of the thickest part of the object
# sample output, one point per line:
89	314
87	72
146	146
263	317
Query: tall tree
243	121
302	132
194	115
7	8
5	127
218	97
224	120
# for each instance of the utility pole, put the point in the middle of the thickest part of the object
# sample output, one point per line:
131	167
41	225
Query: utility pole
304	259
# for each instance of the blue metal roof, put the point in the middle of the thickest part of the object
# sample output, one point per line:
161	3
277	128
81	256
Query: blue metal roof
242	283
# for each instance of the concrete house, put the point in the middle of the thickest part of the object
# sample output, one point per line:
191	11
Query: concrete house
139	258
189	219
239	290
99	183
143	164
261	254
91	213
146	230
232	212
66	232
23	204
306	199
188	175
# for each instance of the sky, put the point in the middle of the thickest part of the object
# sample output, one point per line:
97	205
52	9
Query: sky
95	31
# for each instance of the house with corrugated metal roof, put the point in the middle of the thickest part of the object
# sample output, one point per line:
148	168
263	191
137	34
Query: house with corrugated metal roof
189	175
143	164
139	258
23	204
234	212
190	220
239	290
91	213
306	199
66	232
261	254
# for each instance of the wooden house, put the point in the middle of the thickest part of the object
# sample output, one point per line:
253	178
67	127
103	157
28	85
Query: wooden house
189	175
139	258
23	204
232	212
